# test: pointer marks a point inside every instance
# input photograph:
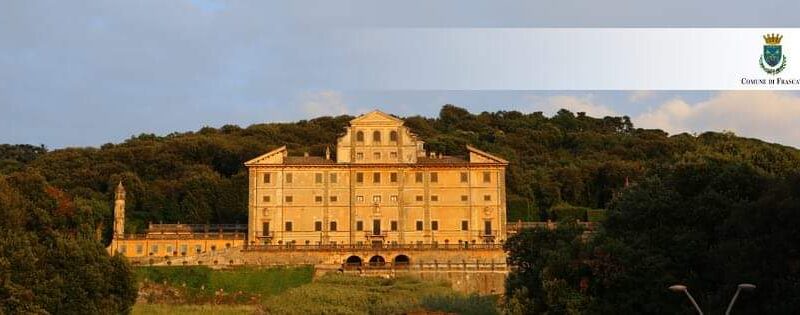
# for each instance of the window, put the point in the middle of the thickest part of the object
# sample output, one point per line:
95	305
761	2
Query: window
393	177
464	177
435	225
376	155
465	225
393	225
419	198
360	198
169	249
333	226
359	177
359	225
334	178
487	197
487	177
487	228
184	249
376	136
376	199
418	177
265	198
334	198
393	136
288	226
139	249
359	155
154	249
393	198
288	178
318	178
265	229
317	199
360	136
267	178
434	177
198	248
464	197
289	199
376	227
419	225
318	226
376	177
434	198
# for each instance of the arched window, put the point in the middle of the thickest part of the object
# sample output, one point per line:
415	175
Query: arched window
360	136
393	136
376	136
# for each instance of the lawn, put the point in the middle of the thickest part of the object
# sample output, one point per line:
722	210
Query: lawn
343	294
201	284
206	309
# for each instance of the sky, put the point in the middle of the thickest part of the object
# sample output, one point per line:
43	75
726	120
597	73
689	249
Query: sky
84	73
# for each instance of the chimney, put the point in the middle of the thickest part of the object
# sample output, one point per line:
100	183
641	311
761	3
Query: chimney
327	152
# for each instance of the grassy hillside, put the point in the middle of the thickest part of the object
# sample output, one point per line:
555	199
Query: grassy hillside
200	284
342	294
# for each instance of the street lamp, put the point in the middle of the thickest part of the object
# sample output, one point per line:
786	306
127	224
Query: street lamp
740	287
682	288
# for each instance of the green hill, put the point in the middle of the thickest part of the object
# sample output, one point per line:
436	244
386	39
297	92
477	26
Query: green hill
198	177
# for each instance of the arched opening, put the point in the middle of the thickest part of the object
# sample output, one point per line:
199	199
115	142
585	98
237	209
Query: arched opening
376	136
393	136
352	262
377	261
402	261
360	136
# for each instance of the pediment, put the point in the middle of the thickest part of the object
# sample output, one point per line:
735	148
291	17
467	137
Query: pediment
478	156
376	117
272	157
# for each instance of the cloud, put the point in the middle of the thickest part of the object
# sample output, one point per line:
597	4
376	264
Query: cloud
553	104
323	103
638	96
770	116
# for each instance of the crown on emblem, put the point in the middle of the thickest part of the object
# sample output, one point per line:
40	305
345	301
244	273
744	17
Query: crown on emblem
773	39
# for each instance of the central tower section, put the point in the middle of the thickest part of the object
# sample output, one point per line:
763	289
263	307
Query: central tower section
377	137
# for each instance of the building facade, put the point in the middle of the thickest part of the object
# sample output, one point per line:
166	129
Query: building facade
382	187
171	240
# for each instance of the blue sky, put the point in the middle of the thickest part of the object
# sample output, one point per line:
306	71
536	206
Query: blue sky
84	73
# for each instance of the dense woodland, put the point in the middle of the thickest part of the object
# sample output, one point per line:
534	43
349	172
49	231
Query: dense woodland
199	177
679	206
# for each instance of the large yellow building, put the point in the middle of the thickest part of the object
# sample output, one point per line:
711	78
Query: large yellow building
381	188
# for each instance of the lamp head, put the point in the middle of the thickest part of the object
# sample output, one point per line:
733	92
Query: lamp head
677	288
747	286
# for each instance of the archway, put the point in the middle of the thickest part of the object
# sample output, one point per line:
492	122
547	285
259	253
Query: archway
353	262
401	261
377	261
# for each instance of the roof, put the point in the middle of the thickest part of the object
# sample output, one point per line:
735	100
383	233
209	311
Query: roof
443	160
307	160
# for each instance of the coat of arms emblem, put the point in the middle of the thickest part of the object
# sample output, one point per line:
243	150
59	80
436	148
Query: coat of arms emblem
772	61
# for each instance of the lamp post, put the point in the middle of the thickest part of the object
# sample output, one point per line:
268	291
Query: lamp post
740	287
682	288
